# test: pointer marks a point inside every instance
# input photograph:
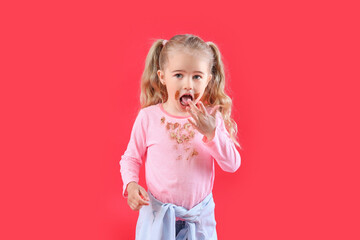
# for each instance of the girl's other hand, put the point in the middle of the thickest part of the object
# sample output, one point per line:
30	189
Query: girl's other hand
137	196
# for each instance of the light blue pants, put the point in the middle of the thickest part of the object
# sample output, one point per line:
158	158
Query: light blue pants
179	225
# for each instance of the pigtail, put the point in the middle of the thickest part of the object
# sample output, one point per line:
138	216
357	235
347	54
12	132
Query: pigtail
152	91
215	93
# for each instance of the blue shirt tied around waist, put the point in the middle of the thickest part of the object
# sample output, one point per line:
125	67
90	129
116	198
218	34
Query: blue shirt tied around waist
157	221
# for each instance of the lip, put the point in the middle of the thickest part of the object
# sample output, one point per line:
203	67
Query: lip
182	106
192	95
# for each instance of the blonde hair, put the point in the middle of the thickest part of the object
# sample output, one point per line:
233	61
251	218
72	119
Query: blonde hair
153	92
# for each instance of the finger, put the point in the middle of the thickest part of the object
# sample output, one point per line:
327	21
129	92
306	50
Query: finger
194	107
138	207
202	107
144	194
192	122
137	198
144	197
141	201
194	116
132	206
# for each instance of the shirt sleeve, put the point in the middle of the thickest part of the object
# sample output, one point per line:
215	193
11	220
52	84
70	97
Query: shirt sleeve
222	148
131	160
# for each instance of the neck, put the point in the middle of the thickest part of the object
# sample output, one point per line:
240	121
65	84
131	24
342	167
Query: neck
173	111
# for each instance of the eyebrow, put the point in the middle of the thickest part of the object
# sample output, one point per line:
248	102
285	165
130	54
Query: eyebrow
184	71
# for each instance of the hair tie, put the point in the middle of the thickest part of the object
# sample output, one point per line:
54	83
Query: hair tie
164	42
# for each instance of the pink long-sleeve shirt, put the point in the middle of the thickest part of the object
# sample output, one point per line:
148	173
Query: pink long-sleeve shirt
179	160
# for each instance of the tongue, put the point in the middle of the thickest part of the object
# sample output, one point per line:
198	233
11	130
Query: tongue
184	100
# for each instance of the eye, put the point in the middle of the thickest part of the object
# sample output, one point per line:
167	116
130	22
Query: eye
177	74
198	76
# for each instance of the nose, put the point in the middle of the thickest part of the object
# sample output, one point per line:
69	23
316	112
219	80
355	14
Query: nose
188	84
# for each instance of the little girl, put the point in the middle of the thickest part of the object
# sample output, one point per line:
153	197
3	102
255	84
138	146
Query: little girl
182	128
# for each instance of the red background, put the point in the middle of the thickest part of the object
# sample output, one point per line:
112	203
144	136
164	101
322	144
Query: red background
70	73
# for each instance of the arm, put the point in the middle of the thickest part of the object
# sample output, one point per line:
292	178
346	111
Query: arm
222	148
131	161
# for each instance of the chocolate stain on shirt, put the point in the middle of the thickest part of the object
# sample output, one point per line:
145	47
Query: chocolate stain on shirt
193	153
182	134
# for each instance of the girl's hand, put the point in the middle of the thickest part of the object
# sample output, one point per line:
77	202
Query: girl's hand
203	121
137	196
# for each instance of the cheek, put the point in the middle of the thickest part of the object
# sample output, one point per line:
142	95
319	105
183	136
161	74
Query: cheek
196	95
201	88
177	95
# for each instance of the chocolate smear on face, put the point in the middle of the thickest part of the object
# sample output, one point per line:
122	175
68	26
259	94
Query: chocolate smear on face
177	94
196	95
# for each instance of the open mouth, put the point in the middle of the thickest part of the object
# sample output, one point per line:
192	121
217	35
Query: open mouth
185	98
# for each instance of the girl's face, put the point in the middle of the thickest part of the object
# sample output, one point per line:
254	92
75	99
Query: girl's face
185	77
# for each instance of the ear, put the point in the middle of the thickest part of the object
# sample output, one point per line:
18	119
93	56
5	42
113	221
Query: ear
161	76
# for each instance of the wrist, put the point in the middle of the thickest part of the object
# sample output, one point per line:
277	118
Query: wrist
210	136
131	185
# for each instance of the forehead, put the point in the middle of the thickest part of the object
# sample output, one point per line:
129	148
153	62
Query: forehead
187	61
